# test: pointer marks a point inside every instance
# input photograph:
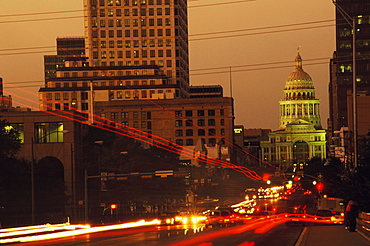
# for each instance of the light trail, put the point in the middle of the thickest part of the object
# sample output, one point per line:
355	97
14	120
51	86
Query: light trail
65	234
40	229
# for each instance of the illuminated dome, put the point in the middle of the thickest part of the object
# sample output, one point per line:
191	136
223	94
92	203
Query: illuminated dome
299	101
298	79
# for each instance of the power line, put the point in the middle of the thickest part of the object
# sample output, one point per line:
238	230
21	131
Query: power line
42	13
204	38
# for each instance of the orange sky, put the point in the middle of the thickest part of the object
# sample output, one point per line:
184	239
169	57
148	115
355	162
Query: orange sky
257	40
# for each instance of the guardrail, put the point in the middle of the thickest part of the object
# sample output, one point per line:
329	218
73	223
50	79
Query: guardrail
363	223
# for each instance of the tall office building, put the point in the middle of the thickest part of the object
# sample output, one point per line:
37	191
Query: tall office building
66	47
137	52
341	80
140	33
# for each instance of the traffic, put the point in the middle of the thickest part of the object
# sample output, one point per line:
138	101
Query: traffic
262	210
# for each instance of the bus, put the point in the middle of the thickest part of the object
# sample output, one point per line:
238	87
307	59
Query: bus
335	205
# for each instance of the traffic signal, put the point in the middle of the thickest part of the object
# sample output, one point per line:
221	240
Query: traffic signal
113	206
319	186
266	176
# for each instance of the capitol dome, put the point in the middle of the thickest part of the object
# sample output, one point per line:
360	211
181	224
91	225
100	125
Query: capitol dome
298	79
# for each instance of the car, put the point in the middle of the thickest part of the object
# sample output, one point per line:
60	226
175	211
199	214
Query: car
218	218
296	216
328	216
170	218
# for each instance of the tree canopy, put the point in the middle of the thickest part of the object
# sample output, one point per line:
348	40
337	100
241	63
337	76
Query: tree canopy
9	140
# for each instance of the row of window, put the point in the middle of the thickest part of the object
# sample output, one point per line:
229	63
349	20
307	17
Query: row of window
285	149
132	23
134	54
108	73
201	132
132	33
127	94
105	83
190	142
200	112
128	2
200	122
135	44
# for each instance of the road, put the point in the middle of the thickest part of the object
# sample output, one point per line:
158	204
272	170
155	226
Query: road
260	231
255	231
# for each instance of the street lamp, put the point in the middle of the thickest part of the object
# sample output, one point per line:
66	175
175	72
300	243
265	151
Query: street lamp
352	23
33	172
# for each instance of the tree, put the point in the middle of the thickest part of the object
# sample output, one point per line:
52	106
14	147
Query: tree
9	140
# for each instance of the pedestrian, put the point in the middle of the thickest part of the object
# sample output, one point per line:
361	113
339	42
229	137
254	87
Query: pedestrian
346	211
352	213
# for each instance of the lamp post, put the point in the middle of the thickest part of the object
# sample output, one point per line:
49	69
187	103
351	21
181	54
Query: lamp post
352	23
33	172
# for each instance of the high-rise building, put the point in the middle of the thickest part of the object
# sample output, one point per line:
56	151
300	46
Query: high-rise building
140	33
137	52
341	79
300	137
66	47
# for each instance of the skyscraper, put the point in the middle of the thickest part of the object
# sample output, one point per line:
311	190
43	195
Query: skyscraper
137	52
140	33
341	81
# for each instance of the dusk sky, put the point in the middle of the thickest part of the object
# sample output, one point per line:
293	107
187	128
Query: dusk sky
257	39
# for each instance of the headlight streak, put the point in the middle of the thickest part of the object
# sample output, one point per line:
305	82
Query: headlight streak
40	229
79	232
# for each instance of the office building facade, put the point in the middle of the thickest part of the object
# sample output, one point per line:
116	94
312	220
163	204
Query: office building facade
341	76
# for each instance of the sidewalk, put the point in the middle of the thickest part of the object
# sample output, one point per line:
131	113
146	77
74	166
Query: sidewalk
327	235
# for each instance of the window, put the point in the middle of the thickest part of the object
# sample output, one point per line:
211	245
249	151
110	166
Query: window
189	132
84	106
188	113
57	96
178	123
179	142
65	95
136	124
222	112
136	115
211	112
212	142
178	133
222	122
211	122
222	131
124	115
189	122
143	124
201	132
49	132
84	95
211	132
178	113
119	94
200	112
189	142
201	122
